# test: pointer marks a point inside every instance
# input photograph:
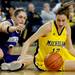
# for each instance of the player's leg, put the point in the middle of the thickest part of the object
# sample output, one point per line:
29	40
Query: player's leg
7	59
1	53
15	65
1	56
69	65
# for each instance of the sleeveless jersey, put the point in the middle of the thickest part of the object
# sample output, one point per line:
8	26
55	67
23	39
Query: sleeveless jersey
54	41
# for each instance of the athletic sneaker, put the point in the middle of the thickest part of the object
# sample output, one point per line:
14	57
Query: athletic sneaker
16	66
11	66
5	66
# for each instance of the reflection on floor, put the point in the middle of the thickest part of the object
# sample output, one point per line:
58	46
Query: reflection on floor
32	72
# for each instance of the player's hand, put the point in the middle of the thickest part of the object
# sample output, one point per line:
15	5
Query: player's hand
20	27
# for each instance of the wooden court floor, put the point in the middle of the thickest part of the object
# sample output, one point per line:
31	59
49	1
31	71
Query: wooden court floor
31	72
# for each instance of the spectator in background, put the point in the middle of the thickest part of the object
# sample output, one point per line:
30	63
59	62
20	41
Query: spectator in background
71	15
34	20
56	7
11	12
2	15
47	14
71	19
5	4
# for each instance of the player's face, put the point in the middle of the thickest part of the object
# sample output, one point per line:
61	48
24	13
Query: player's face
21	18
61	20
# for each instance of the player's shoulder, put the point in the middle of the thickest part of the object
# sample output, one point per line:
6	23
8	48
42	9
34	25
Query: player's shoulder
49	23
5	23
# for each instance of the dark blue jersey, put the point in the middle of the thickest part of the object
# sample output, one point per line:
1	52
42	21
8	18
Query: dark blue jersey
13	37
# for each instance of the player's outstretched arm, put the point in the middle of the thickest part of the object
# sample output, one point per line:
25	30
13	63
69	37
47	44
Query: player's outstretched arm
43	30
6	27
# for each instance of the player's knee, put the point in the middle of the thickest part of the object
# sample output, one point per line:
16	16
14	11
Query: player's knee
1	54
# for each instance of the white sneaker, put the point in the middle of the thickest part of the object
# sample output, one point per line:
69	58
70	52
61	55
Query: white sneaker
15	66
5	66
11	66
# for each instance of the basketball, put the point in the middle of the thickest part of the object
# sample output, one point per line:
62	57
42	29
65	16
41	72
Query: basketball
53	61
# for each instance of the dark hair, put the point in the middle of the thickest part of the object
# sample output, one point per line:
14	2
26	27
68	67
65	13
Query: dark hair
18	11
12	7
63	10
